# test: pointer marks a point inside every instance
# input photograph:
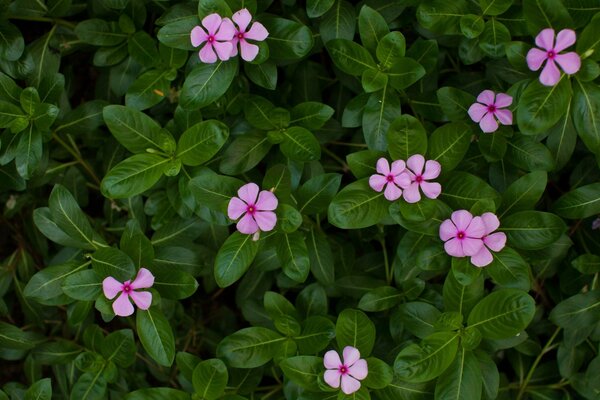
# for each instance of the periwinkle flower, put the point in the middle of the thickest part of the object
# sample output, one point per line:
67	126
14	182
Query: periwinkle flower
126	290
462	234
217	38
257	32
255	209
490	109
494	241
569	62
420	173
348	373
393	179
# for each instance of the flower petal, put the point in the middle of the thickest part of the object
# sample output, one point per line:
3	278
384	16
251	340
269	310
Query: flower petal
453	248
236	208
111	287
257	32
332	360
392	192
142	299
411	194
332	377
550	74
503	100
403	180
223	50
242	19
486	97
349	384
461	219
495	241
398	167
247	225
476	228
207	54
565	38
569	62
535	58
377	182
415	163
359	370
482	258
383	166
211	23
249	51
197	36
488	123
266	220
432	169
471	246
491	222
249	193
226	31
143	280
234	46
122	306
545	39
504	116
447	230
351	355
477	111
267	201
431	189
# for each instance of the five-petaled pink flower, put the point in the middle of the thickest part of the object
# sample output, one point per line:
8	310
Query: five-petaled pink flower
254	208
218	35
394	179
462	234
490	109
420	172
122	306
257	32
569	62
494	241
350	372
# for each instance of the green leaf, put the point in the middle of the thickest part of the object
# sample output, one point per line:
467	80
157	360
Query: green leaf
382	108
176	34
587	263
372	28
524	193
142	48
471	25
509	270
380	299
541	107
586	114
134	175
461	298
463	190
244	153
502	314
136	245
14	338
562	139
317	333
288	40
119	347
29	152
40	390
406	136
357	206
494	38
462	380
588	39
354	328
149	89
293	255
99	32
582	202
316	8
315	194
304	371
541	14
9	113
46	284
526	153
109	261
580	311
299	144
442	17
391	49
89	386
207	83
494	7
418	318
455	103
85	285
449	143
311	114
320	256
157	393
264	74
11	42
249	347
201	142
532	230
214	190
175	284
339	22
210	379
234	258
350	57
156	335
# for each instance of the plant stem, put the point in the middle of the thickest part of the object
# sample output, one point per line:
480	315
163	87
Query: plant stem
386	262
57	21
77	157
336	158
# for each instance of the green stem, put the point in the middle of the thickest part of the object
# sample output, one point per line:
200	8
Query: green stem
336	158
77	157
57	21
389	274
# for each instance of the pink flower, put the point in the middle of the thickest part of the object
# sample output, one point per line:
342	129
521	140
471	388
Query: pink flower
122	306
569	62
493	241
257	32
490	109
418	178
349	372
217	36
392	179
254	208
462	234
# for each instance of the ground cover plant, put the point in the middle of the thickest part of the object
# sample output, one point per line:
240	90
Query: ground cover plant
302	200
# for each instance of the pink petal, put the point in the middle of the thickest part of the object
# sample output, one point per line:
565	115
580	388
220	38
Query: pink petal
491	222
211	23
504	116
495	241
471	246
476	228
249	51
359	370
398	167
550	74
351	355
122	306
416	162
236	208
411	193
383	166
392	192
545	39
207	55
461	219
226	30
447	230
488	123
564	39
265	220
247	225
332	377
486	97
569	62
242	19
141	299
257	32
431	189
111	287
453	248
249	193
332	360
198	36
482	258
503	100
432	169
403	180
535	58
477	111
349	384
377	182
143	280
223	50
267	201
234	46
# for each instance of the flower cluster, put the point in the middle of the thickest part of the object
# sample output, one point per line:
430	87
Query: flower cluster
221	37
468	236
404	179
122	305
254	210
346	374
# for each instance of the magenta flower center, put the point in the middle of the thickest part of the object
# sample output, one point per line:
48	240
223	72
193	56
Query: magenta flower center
418	179
210	39
460	235
390	178
126	288
491	108
240	35
343	369
251	209
551	54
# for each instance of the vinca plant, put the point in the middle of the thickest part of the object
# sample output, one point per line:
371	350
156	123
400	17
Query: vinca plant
299	199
